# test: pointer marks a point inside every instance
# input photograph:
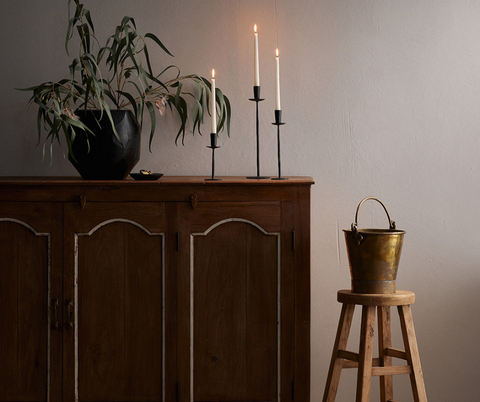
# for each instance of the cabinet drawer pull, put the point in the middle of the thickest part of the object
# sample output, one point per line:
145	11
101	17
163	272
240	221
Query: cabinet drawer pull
194	200
69	313
83	201
55	314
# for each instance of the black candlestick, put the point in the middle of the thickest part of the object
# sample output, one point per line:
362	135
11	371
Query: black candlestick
278	123
256	99
213	147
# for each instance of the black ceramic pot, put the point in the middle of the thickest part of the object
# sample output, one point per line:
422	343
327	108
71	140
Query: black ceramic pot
107	159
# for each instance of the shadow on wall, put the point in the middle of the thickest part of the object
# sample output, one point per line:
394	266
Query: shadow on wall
451	352
447	356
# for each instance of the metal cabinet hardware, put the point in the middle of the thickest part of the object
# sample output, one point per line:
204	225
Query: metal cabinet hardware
194	200
69	313
55	314
83	201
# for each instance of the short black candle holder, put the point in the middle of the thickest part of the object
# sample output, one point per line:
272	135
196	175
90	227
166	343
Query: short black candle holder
213	146
278	123
256	99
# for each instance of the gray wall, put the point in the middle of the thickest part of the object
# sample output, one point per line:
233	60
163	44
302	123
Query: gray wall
380	98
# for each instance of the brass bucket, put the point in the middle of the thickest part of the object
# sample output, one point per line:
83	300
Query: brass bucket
373	256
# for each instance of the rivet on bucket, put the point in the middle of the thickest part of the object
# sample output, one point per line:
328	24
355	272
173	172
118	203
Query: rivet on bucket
373	256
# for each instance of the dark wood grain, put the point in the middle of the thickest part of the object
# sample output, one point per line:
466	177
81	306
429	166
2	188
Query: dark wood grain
101	314
9	317
302	293
220	314
56	292
262	270
121	229
287	303
143	315
32	315
120	297
235	314
24	259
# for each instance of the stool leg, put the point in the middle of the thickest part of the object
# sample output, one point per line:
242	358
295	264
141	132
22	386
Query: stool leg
367	333
336	364
385	341
413	357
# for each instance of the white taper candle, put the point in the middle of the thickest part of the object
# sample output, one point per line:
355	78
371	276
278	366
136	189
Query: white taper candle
213	110
277	82
256	77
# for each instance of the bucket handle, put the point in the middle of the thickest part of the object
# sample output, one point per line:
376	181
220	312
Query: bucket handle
357	236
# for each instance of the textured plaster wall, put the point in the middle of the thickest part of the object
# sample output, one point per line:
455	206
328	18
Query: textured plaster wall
380	97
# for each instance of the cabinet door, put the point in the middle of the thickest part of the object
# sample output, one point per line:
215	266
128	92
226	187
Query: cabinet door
116	283
28	281
236	289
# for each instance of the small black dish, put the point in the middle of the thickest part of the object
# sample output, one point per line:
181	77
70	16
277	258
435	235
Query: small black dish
141	176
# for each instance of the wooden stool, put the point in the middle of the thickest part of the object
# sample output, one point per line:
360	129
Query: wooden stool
364	361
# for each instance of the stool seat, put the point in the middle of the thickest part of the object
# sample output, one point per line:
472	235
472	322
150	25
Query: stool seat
399	298
364	361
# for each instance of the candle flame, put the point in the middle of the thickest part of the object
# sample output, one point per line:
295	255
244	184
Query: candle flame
255	28
276	52
213	73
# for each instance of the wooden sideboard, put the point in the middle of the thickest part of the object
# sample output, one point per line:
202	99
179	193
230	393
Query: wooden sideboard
172	290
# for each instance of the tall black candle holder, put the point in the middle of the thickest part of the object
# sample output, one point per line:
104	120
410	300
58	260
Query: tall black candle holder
278	123
213	146
256	99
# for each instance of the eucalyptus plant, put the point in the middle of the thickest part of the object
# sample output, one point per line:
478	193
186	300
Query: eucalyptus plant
119	75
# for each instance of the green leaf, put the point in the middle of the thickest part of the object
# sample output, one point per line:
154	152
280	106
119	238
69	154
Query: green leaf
107	110
89	19
118	51
152	78
87	92
128	47
92	67
78	10
179	86
168	68
111	97
219	100
153	123
229	113
140	102
126	20
147	58
51	153
131	100
69	140
43	153
40	115
197	116
102	51
75	66
181	107
69	34
84	34
159	43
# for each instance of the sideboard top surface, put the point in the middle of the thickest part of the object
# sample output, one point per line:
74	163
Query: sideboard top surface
167	188
165	180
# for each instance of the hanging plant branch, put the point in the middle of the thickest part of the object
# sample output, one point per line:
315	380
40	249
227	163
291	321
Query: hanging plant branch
126	56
